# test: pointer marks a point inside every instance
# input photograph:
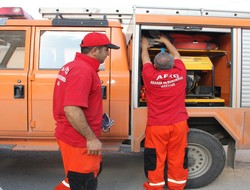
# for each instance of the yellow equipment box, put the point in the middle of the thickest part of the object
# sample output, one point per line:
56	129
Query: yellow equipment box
197	62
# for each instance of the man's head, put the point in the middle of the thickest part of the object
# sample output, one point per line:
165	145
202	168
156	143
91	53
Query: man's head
163	61
96	39
97	45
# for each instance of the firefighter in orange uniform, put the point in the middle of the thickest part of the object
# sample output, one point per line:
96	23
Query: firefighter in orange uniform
167	128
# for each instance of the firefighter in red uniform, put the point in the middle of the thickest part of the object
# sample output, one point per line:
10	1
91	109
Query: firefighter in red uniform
78	111
167	129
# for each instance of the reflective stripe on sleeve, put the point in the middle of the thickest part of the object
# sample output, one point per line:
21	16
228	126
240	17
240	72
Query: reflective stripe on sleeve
177	182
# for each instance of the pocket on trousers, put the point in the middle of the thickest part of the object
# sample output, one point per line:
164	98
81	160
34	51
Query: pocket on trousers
149	160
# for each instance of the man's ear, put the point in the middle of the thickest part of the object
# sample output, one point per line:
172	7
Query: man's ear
155	66
94	50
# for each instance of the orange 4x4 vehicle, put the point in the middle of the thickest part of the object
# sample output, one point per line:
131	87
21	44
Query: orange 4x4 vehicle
214	46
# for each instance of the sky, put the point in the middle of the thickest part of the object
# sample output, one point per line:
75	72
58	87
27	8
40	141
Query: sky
32	6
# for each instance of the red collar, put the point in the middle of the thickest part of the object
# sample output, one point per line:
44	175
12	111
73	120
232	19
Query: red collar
94	63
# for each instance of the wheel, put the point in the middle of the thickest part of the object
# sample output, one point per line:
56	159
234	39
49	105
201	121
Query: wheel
206	158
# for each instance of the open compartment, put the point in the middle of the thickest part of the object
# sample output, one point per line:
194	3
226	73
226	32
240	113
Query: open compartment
206	54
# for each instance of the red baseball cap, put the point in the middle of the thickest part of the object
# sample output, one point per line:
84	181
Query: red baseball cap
97	39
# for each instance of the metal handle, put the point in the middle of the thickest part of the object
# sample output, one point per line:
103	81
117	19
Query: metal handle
18	91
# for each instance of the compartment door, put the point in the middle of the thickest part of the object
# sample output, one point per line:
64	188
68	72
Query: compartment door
245	86
14	67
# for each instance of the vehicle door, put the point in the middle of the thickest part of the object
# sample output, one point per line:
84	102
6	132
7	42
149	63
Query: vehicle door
14	68
56	46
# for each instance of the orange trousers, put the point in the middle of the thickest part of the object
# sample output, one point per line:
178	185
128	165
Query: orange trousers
76	159
166	146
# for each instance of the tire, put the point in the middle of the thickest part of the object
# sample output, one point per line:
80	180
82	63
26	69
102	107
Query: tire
206	158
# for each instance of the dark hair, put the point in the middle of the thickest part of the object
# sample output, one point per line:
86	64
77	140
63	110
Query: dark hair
163	61
86	50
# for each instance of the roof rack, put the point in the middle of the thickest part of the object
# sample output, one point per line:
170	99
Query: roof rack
122	15
190	12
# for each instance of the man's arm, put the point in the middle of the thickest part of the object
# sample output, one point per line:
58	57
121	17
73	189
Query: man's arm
169	46
144	51
78	121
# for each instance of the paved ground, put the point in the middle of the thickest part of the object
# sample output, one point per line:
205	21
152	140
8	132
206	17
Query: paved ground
122	171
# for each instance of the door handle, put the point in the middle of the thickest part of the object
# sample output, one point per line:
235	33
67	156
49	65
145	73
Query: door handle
104	92
18	91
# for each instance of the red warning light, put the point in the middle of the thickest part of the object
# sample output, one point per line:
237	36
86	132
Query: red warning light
14	13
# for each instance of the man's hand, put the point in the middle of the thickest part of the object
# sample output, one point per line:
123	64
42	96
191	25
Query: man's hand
144	43
78	121
94	146
172	50
161	38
